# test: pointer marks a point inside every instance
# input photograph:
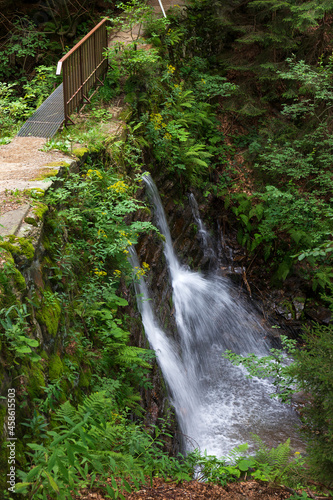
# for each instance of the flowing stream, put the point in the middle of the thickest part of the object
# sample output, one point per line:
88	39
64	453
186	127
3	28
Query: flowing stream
216	405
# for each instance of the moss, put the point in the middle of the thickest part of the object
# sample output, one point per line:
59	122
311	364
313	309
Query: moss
58	164
19	279
65	386
46	243
34	192
24	246
36	381
47	261
9	247
80	152
39	210
46	174
56	368
31	221
5	254
49	315
44	355
85	378
27	248
7	295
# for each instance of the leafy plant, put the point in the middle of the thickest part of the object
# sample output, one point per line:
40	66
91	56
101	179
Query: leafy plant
93	445
15	330
279	466
275	366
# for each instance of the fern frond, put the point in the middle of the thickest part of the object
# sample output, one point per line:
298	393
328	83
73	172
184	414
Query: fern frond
66	410
95	403
280	455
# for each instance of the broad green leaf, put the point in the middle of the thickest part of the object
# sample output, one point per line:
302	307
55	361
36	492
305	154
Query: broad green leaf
52	482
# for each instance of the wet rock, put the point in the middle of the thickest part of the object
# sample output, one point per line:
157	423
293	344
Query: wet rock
299	303
319	314
285	310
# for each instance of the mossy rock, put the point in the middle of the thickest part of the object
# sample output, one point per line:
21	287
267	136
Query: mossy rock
56	367
49	315
13	275
31	221
39	210
80	152
36	381
11	281
58	164
5	254
35	192
27	248
18	246
46	175
19	280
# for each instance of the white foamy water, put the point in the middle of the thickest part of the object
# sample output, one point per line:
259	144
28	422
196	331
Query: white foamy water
216	405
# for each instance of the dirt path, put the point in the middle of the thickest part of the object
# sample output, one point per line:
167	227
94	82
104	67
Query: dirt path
194	490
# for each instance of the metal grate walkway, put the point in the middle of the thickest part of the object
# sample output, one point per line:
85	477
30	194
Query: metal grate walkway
48	117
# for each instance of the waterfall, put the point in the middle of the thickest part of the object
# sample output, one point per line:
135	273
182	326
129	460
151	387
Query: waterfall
183	397
216	405
204	236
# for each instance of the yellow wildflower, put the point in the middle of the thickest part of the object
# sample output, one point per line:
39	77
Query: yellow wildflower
100	273
156	119
119	187
91	173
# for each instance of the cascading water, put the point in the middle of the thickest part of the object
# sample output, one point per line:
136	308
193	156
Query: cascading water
203	234
167	353
217	406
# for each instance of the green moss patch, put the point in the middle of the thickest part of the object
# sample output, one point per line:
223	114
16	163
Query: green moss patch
56	368
49	315
39	210
46	173
36	382
18	246
34	192
85	378
19	279
31	221
80	152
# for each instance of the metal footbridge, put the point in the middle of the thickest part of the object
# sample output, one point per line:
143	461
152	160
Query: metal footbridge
48	118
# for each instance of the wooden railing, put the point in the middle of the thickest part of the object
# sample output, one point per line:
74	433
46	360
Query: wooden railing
83	67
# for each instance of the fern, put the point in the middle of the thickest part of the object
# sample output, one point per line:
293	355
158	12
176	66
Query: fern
97	404
131	355
66	411
279	465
